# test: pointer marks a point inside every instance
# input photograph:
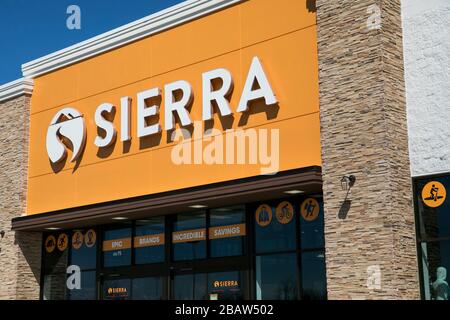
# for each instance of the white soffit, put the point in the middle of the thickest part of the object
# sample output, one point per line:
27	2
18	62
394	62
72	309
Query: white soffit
16	88
157	22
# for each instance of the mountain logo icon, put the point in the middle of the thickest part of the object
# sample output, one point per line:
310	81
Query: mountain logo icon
67	130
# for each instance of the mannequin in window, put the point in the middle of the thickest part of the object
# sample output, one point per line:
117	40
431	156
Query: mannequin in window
440	286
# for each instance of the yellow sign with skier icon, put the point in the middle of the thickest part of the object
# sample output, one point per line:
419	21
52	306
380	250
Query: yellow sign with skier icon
434	194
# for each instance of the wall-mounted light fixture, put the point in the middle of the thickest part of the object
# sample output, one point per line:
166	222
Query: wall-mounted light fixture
347	182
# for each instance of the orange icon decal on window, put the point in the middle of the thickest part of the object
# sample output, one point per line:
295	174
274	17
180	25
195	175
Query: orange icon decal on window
77	240
263	215
90	238
50	244
285	212
434	194
63	241
310	209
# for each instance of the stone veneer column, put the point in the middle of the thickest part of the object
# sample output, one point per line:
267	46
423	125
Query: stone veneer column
20	252
364	133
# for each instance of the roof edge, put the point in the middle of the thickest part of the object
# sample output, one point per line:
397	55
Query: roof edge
16	88
154	23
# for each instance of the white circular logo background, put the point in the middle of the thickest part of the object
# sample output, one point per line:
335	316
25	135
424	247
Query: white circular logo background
68	124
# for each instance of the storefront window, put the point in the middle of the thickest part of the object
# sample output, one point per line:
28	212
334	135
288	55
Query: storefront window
435	265
189	236
87	289
150	288
433	216
314	282
281	263
82	265
149	241
117	289
226	285
227	231
83	252
276	277
273	233
117	247
312	225
55	260
54	287
54	266
434	222
190	287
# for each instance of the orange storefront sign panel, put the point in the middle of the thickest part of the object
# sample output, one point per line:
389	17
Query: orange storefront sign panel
189	236
117	244
236	230
151	240
282	35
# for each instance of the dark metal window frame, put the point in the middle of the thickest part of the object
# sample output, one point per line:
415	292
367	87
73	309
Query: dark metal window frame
417	218
245	262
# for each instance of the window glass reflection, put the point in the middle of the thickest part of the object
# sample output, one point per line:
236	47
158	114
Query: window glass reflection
312	232
227	231
276	277
314	283
150	288
117	289
54	287
87	289
225	285
190	287
434	223
83	251
55	260
271	235
149	241
435	266
117	247
189	236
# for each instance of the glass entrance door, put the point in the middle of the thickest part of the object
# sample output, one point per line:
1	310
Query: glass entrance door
135	288
226	285
189	286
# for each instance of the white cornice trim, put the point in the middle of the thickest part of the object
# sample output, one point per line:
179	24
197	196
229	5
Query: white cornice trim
16	88
157	22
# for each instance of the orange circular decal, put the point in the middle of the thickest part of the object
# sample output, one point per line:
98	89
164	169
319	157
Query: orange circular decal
285	212
263	215
50	244
63	241
77	240
90	238
434	194
310	209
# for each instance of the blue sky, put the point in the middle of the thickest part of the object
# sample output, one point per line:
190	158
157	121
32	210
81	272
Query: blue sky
30	29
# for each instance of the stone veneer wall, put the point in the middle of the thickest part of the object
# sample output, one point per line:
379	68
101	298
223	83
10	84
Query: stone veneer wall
364	132
20	252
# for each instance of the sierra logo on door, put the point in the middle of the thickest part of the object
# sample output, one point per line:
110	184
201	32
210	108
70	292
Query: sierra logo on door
66	126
